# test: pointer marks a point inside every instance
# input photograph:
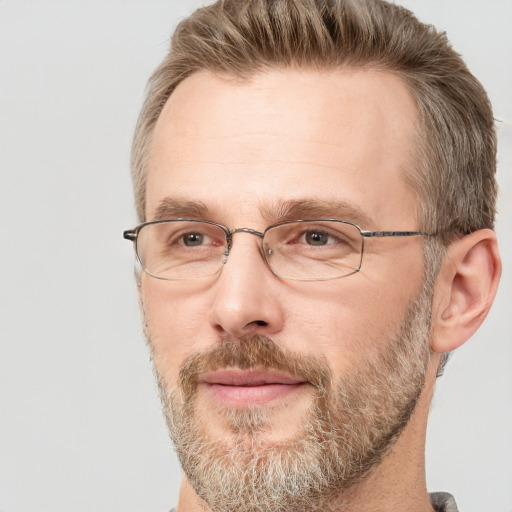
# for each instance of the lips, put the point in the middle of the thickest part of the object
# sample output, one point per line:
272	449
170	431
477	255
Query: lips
243	388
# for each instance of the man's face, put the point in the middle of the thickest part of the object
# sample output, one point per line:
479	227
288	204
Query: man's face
266	362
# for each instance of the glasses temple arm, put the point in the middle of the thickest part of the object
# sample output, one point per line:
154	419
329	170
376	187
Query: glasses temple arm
371	234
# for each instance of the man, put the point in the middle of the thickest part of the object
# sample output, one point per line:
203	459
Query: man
315	182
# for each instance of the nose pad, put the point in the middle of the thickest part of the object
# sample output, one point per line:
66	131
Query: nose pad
225	256
229	243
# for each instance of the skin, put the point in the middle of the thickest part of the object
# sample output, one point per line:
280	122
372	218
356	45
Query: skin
241	149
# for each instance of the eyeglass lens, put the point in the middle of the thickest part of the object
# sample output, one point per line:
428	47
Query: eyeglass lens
305	250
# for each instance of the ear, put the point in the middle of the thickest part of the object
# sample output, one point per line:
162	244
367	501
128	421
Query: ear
465	289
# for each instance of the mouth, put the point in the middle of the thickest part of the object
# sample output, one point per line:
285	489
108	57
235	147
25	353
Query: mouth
244	388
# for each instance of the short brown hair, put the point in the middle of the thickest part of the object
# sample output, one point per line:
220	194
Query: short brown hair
454	176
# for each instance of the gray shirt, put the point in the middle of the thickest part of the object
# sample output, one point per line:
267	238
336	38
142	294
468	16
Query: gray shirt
443	502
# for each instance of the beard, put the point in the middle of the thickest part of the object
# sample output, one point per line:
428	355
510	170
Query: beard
350	426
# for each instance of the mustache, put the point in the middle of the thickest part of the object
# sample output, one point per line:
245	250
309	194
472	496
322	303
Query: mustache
253	351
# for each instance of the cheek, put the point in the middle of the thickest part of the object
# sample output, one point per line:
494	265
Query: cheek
175	320
347	321
341	328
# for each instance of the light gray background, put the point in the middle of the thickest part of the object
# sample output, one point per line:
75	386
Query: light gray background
80	426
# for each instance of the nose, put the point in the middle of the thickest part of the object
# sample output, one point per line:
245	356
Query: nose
247	296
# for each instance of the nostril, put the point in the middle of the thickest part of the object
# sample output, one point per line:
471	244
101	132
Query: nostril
261	323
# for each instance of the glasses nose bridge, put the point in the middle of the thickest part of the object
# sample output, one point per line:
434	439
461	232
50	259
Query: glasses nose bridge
229	236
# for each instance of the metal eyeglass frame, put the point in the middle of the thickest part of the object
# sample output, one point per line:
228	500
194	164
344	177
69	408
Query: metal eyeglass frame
132	234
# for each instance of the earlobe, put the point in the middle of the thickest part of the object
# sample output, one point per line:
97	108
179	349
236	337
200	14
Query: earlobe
465	289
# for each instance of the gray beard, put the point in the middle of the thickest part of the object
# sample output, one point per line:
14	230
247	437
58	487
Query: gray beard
346	433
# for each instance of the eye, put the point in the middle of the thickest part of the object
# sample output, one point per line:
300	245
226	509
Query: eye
193	239
314	237
188	235
317	238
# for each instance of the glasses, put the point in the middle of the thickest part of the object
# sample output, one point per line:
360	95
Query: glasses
305	250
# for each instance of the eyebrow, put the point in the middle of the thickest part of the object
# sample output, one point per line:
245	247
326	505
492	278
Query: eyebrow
170	208
279	211
318	209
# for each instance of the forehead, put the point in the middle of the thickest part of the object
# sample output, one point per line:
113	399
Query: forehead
239	147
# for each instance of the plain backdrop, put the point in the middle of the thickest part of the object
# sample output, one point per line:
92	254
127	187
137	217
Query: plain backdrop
80	422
